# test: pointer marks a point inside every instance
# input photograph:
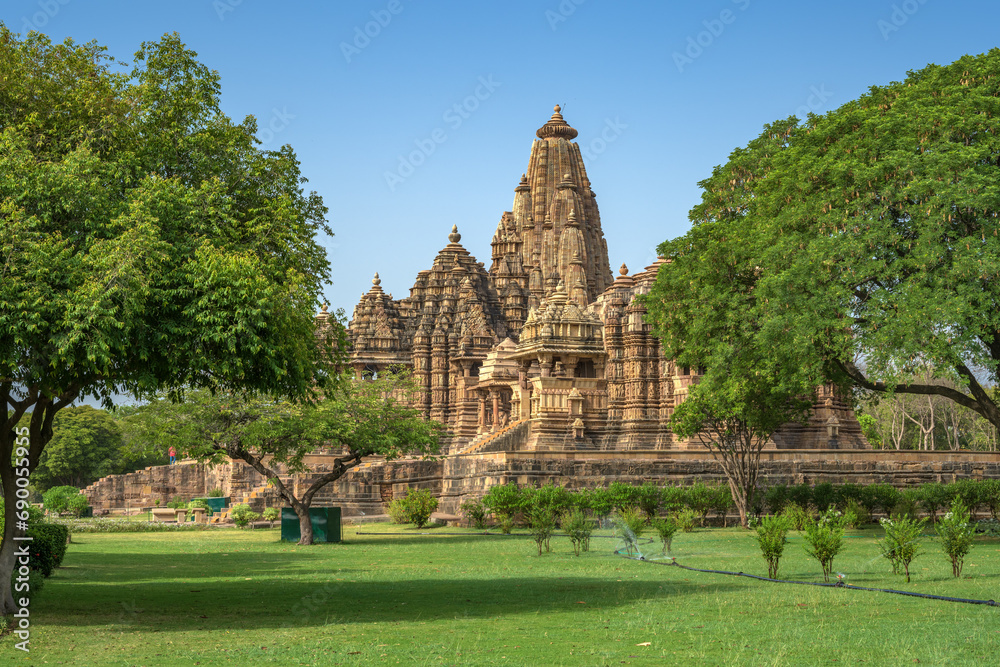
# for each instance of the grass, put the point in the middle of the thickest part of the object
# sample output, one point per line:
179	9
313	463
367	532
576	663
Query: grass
454	597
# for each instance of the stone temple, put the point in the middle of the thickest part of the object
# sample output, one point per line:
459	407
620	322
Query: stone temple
546	349
544	370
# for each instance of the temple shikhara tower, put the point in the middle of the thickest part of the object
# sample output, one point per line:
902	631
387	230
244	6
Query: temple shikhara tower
542	366
546	349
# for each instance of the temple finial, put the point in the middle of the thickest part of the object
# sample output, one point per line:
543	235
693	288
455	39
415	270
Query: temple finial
376	281
556	128
454	237
624	270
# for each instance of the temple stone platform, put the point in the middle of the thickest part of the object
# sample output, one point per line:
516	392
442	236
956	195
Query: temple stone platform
458	477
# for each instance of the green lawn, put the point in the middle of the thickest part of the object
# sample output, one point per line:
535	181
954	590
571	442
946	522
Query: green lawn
454	597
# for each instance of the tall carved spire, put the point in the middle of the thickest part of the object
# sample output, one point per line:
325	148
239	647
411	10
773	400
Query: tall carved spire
555	188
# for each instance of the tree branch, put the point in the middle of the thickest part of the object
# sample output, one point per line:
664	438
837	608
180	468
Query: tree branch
855	374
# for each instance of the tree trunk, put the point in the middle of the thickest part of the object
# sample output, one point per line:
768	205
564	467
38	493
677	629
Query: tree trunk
305	524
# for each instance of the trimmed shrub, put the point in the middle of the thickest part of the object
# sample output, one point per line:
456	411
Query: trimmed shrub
685	519
419	504
797	516
908	504
823	496
475	511
242	515
902	542
504	500
396	511
548	497
110	525
843	494
801	495
47	547
630	525
991	497
722	502
542	523
886	496
665	527
216	493
623	496
578	527
971	492
855	514
824	539
956	532
271	514
933	497
649	498
776	497
772	536
699	499
673	498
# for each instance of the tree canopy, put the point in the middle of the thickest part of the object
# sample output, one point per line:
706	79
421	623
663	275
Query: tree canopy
853	247
86	445
147	241
357	419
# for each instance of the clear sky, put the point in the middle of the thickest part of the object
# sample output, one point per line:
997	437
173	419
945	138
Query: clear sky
660	92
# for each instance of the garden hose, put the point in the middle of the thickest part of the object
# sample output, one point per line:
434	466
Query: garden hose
839	584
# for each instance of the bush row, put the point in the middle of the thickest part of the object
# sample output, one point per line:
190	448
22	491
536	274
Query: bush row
510	503
46	548
114	525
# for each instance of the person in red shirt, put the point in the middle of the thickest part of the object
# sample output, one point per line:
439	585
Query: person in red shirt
173	455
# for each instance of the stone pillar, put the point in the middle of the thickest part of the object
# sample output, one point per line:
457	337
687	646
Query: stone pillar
496	408
482	411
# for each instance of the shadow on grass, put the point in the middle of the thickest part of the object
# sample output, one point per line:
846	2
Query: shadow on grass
222	605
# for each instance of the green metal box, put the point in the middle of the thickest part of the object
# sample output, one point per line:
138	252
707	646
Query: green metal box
325	524
216	505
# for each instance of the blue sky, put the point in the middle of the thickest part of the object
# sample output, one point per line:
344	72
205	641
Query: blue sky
659	91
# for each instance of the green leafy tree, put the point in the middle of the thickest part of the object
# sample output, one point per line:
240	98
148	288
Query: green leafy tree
86	445
360	418
148	242
57	499
869	233
733	416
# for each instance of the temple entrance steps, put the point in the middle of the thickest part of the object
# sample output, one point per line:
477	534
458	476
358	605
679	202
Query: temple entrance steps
257	498
509	438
